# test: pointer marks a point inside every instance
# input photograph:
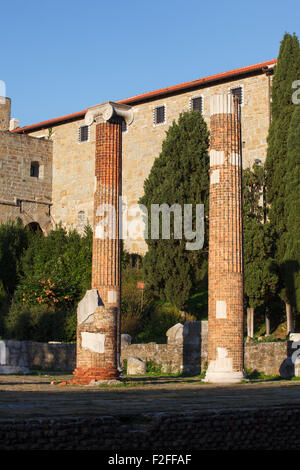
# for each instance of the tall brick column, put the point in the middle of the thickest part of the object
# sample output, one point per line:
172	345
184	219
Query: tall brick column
98	315
225	272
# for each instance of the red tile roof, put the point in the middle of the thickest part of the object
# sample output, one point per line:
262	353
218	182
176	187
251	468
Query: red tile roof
155	94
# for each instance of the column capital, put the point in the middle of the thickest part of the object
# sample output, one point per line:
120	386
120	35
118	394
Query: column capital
105	111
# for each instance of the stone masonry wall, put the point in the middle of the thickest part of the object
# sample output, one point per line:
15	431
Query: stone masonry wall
17	152
5	107
271	428
173	357
73	162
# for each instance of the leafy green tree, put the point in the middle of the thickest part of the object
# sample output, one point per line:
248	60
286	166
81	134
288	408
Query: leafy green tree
55	273
179	175
286	72
260	269
291	258
14	240
56	269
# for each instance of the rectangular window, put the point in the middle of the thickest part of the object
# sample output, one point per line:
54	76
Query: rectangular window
159	115
83	133
197	104
34	169
237	91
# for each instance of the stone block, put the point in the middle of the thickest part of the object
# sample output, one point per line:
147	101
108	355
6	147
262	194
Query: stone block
13	357
294	337
87	306
175	334
135	366
287	369
125	339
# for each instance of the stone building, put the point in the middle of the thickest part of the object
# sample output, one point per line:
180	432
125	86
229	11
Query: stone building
25	175
68	180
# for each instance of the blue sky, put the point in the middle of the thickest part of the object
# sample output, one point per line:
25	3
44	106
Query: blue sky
62	56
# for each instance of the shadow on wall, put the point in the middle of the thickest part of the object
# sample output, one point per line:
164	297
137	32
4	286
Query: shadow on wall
192	336
290	367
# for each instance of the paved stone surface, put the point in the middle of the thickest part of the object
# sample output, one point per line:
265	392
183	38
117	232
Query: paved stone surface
35	396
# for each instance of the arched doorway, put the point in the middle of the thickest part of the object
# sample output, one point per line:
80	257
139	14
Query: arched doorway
34	227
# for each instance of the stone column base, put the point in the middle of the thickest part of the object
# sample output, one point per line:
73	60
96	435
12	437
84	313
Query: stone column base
215	377
221	371
94	376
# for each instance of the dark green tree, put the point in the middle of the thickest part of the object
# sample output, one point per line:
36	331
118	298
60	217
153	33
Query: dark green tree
56	272
56	269
286	72
180	175
14	239
291	258
260	269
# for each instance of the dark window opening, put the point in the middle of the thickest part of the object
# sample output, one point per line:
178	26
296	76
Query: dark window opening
34	169
83	133
238	92
34	227
159	115
197	104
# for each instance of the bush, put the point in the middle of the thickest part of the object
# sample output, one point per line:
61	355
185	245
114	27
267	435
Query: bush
56	269
161	317
134	301
40	323
55	272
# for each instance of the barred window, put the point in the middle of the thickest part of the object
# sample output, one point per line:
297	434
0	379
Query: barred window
237	91
83	133
197	104
159	115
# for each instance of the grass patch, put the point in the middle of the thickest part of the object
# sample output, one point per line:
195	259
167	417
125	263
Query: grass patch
257	375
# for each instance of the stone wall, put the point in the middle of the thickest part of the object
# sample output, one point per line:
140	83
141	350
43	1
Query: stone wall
272	428
22	356
267	357
73	162
185	351
5	107
52	356
23	196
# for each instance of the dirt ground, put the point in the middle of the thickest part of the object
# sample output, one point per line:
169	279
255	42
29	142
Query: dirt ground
30	396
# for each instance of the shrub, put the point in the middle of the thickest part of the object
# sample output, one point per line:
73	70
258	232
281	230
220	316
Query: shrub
56	269
161	317
133	301
39	323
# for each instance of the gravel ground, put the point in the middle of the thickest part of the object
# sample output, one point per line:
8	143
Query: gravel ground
32	396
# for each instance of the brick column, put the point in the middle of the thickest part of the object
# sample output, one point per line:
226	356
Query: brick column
225	272
99	316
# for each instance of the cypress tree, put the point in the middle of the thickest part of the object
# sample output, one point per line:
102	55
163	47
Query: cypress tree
291	260
286	72
260	271
180	175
